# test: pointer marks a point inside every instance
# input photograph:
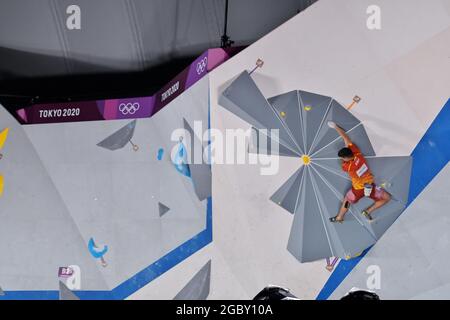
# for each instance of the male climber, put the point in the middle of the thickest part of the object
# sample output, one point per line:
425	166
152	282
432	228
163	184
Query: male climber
354	163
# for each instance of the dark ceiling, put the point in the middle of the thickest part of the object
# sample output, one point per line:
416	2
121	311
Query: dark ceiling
124	47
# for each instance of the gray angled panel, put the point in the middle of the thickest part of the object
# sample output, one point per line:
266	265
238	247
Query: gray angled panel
119	138
308	233
314	108
341	117
383	217
198	287
200	172
2	293
288	109
295	242
349	238
65	293
413	253
195	147
201	179
258	146
358	136
163	209
393	171
329	170
393	174
287	196
244	99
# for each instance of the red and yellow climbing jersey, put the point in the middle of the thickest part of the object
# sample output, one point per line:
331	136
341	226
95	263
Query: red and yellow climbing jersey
357	169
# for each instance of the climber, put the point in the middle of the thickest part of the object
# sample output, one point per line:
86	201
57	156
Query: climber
354	163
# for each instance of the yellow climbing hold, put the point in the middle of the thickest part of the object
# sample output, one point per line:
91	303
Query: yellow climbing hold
306	159
283	114
3	136
1	185
307	108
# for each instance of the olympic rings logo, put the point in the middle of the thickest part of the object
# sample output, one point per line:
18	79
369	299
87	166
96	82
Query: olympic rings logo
201	66
129	108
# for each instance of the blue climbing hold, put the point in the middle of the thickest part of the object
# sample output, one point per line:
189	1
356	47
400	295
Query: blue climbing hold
160	154
95	252
180	161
